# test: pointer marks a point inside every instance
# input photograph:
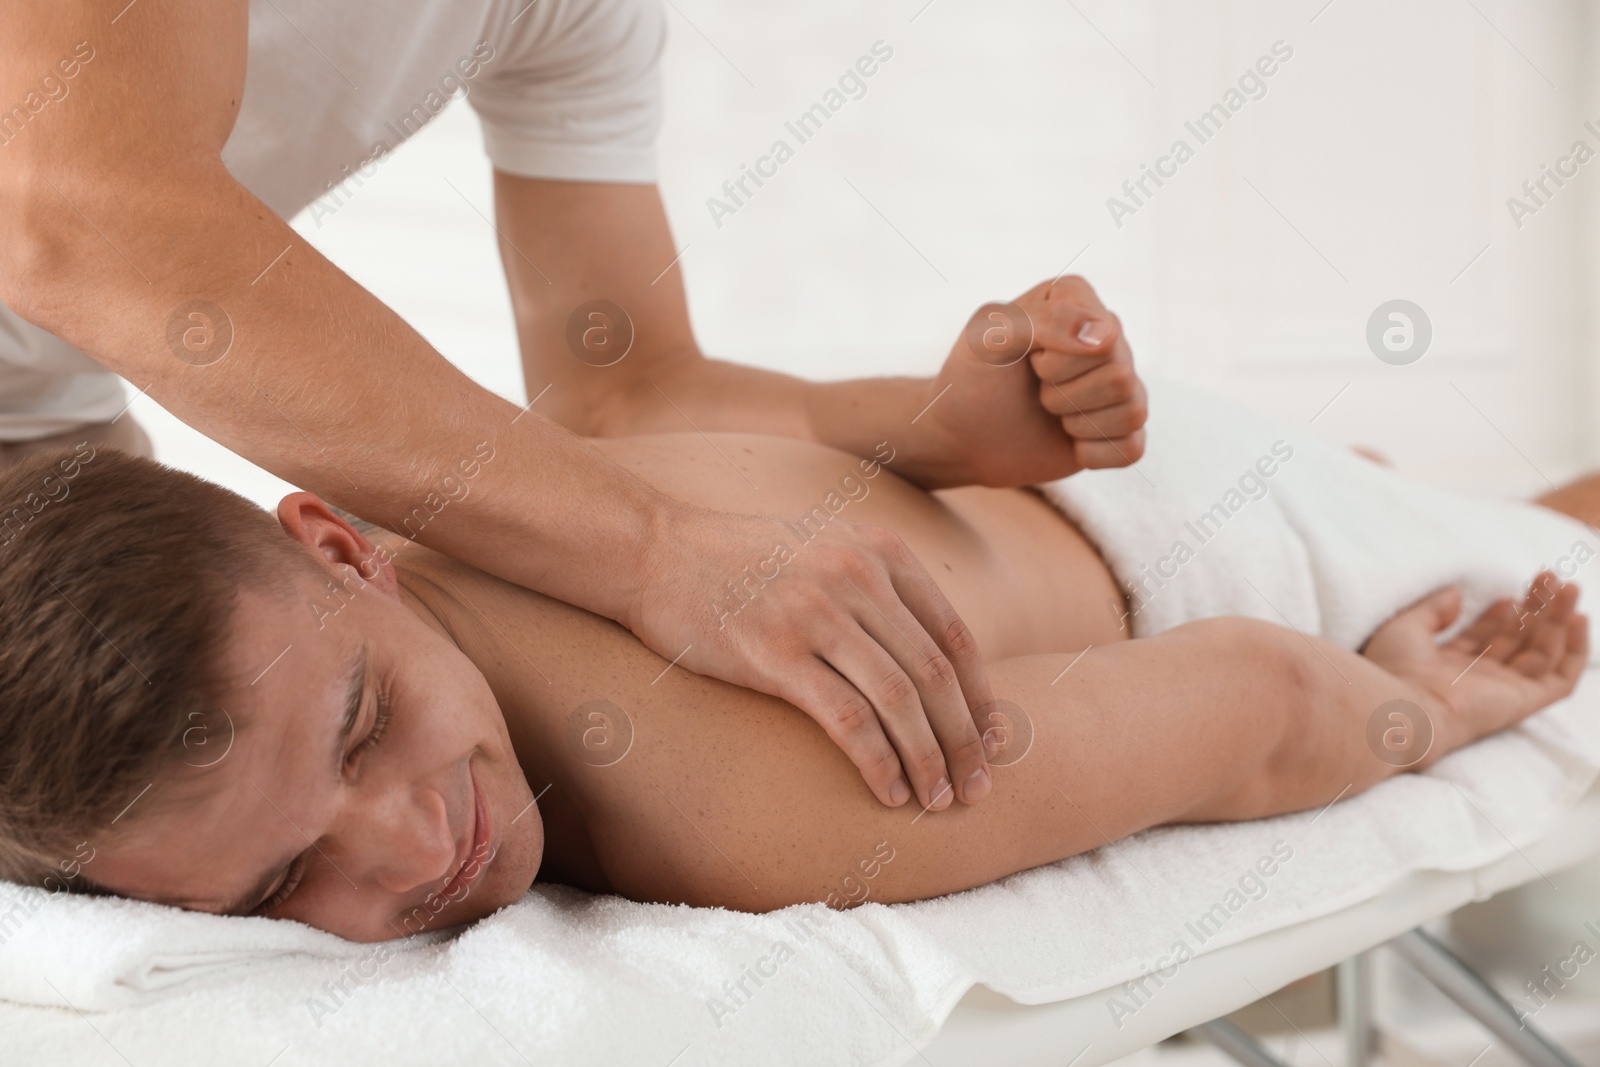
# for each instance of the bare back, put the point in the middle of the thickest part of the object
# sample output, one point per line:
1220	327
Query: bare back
663	785
646	768
1013	567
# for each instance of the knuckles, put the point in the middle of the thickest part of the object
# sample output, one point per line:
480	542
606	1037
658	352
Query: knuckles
1074	287
1120	382
930	762
1055	401
970	753
896	690
883	768
959	641
940	672
854	717
887	543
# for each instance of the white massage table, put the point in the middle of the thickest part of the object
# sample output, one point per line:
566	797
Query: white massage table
986	1027
983	1028
564	978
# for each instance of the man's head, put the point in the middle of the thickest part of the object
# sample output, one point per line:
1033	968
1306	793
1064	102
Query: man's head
210	708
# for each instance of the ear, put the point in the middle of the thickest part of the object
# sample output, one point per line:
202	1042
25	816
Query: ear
307	519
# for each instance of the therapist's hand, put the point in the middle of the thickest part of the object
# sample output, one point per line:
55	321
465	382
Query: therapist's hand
1035	390
851	630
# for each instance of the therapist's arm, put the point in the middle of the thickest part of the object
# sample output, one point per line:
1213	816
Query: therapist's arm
1073	402
116	213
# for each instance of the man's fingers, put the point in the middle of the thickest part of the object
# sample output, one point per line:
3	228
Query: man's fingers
1496	618
1577	657
1545	642
1443	607
943	704
851	721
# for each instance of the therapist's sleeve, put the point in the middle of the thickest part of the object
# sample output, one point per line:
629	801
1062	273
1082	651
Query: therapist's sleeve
573	91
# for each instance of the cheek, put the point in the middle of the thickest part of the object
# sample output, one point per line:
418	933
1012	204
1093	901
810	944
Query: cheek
445	711
448	706
325	900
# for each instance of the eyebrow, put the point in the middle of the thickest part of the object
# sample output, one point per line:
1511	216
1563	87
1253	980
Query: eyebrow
355	689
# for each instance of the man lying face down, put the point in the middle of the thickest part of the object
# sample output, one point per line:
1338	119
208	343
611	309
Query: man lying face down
296	718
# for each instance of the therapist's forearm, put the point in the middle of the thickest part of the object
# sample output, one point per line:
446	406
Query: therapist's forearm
578	253
322	385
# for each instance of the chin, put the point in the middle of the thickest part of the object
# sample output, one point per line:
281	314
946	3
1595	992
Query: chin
519	848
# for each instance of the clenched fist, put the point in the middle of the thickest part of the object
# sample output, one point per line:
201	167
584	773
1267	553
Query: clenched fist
1035	390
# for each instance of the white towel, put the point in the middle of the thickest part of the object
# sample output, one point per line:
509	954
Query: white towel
1336	545
1230	513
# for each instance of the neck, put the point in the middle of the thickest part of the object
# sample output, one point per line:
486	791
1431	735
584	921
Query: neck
429	602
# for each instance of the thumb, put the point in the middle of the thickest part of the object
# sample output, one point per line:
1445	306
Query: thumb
1438	609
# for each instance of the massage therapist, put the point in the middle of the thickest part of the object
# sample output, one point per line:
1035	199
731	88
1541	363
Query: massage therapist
150	153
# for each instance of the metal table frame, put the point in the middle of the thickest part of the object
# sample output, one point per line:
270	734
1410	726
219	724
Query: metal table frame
1443	969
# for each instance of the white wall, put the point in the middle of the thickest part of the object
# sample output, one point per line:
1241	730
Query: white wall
980	160
1377	166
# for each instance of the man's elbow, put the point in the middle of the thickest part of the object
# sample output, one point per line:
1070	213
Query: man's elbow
1296	707
1274	696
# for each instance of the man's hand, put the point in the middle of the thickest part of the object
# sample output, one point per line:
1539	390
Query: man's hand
1034	390
1515	658
848	627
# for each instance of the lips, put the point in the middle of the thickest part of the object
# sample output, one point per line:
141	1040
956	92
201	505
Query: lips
477	854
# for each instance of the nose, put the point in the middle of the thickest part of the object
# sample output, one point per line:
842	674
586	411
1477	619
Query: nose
407	835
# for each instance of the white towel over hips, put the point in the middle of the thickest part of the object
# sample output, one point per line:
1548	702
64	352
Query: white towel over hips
1229	513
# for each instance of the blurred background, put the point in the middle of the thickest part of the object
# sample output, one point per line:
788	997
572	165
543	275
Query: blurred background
1377	166
1378	162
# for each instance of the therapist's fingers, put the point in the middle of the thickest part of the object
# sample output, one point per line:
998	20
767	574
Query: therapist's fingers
1095	391
924	599
1103	384
1069	340
1106	423
943	717
860	657
781	636
910	618
1073	289
853	725
1117	452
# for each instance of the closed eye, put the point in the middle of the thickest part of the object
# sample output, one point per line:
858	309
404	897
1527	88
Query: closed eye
291	882
380	726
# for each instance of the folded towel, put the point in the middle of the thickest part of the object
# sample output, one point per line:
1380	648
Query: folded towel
1334	545
1232	514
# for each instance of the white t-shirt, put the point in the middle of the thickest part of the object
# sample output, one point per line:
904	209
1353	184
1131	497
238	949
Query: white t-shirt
565	89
